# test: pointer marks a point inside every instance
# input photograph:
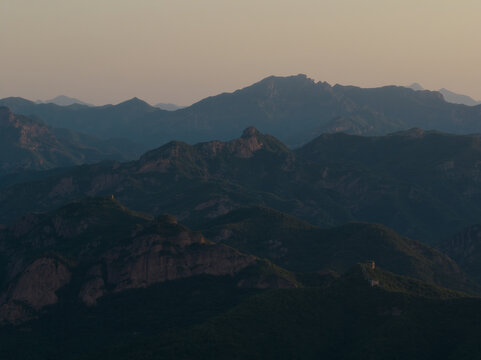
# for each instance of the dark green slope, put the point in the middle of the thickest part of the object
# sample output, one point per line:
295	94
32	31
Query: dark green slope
299	246
71	330
399	319
218	304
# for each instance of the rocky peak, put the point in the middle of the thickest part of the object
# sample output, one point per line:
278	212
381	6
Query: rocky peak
251	131
243	147
134	104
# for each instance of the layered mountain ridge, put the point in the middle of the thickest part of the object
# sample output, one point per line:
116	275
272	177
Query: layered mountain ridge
29	144
421	184
295	109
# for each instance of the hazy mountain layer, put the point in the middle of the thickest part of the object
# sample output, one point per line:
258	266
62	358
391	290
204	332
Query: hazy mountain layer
295	109
29	144
63	100
451	96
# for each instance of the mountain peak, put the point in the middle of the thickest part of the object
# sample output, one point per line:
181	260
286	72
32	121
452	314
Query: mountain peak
287	80
249	132
63	100
169	106
135	101
456	98
416	86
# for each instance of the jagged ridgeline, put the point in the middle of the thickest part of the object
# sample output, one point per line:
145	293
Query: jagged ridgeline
295	109
424	185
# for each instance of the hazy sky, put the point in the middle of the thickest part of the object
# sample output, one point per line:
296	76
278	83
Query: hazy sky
106	51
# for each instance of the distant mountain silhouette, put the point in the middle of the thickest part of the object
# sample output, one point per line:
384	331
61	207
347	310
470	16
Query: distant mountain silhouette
169	106
107	121
458	98
450	96
63	100
416	86
295	109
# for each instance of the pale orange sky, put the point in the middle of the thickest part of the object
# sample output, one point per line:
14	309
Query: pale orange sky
106	51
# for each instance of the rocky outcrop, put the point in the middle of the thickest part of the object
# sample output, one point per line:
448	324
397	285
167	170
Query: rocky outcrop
35	288
465	249
108	249
167	157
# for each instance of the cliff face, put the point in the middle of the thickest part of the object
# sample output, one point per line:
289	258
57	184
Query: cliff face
153	259
106	249
465	249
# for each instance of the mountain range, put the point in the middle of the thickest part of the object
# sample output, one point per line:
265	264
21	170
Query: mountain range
450	96
343	223
63	100
295	109
29	144
134	286
423	185
168	106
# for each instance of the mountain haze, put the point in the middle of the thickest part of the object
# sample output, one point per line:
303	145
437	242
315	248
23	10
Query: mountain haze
168	106
63	100
29	144
295	109
450	96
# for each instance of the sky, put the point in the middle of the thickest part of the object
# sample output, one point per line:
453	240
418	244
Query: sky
180	51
